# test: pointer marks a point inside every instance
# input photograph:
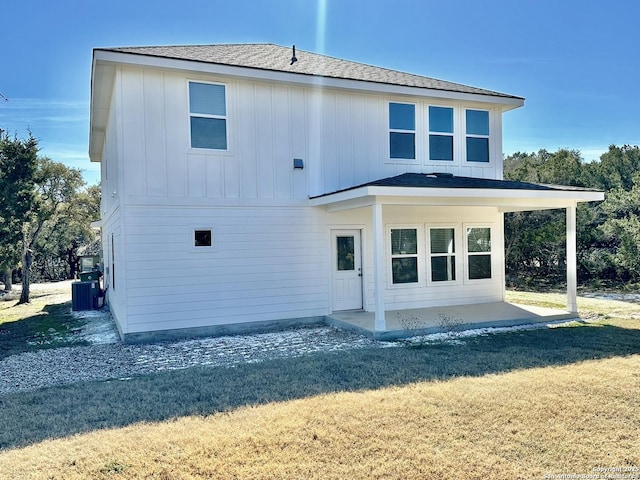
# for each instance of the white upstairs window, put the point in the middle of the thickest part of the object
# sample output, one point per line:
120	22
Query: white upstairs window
402	131
441	133
477	124
208	115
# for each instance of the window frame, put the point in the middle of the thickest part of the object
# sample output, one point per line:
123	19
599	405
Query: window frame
457	254
414	132
419	255
224	117
430	132
475	135
468	254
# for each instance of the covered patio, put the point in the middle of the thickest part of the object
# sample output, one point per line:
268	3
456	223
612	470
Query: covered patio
380	319
424	321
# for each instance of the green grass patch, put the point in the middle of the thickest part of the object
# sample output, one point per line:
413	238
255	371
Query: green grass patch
45	322
65	410
587	307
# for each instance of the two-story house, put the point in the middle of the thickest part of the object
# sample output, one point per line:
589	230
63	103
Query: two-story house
247	187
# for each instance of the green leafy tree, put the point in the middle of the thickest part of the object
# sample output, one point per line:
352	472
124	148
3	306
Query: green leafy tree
608	232
18	168
56	187
535	247
66	234
622	229
615	169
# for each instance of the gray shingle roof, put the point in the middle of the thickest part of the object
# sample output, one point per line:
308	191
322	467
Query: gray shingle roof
439	180
274	57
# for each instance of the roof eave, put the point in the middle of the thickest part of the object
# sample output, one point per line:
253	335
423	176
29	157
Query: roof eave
504	199
102	78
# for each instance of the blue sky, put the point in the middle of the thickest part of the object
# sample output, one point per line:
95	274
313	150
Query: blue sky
577	63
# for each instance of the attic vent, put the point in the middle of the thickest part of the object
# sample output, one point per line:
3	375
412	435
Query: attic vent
439	175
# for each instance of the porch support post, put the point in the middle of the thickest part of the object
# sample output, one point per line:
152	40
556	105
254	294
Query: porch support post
572	262
378	267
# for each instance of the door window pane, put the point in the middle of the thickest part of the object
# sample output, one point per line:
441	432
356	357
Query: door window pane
346	253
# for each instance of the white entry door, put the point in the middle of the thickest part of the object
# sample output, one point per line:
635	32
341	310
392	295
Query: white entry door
347	269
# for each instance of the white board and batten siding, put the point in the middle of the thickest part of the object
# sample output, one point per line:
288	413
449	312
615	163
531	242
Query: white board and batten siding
342	137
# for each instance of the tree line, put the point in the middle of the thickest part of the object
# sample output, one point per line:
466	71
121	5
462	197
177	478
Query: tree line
608	232
46	210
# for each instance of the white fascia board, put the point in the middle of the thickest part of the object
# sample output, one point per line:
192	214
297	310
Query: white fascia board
572	195
506	199
102	78
507	103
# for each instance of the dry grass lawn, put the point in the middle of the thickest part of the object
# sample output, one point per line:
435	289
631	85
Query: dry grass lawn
549	403
522	424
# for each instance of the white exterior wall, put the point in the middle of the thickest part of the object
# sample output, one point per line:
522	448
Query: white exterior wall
462	291
265	264
271	263
342	137
271	257
113	254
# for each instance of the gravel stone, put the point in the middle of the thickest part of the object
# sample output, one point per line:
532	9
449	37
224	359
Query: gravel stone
108	358
102	361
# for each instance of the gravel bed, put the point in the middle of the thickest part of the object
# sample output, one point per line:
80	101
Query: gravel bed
102	361
107	358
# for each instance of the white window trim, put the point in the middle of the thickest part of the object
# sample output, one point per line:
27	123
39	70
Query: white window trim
420	256
488	137
192	247
422	132
204	115
456	147
492	256
416	139
458	249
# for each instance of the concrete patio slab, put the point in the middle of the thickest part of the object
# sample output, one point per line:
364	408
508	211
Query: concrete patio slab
423	321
